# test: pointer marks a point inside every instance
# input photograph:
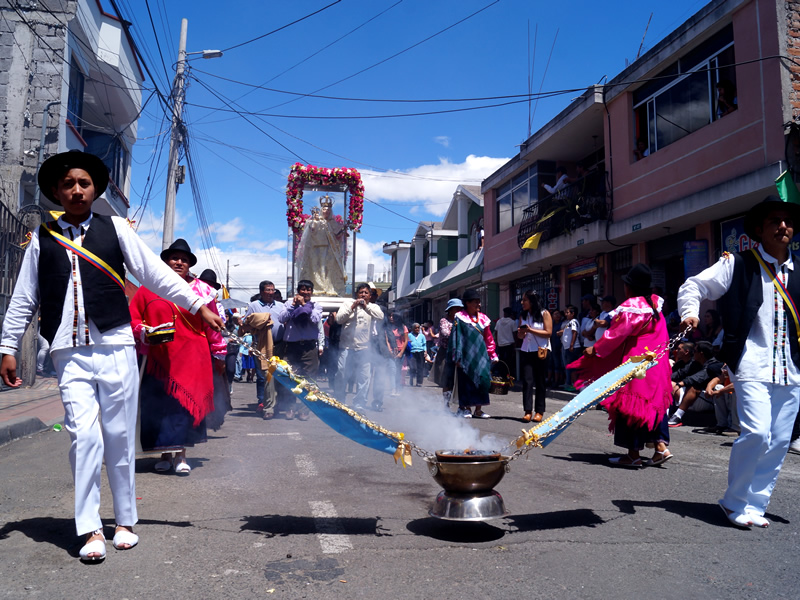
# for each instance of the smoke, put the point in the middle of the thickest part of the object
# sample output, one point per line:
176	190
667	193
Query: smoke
419	413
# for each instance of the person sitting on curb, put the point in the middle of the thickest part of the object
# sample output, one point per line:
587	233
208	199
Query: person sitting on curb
720	391
689	391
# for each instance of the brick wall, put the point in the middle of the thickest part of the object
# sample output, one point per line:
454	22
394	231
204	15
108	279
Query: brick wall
793	51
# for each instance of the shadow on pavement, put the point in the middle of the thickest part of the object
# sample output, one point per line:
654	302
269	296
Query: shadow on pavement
61	532
561	519
700	511
284	525
460	532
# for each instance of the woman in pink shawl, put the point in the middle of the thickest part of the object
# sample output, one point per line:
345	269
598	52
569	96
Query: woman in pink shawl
638	411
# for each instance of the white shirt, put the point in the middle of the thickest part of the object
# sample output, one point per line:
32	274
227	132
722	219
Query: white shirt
532	342
603	316
146	267
505	329
560	184
586	325
764	358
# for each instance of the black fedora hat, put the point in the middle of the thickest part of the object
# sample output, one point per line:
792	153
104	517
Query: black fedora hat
55	167
470	295
756	215
180	245
639	277
210	277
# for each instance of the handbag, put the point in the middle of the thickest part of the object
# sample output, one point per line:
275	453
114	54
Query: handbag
542	353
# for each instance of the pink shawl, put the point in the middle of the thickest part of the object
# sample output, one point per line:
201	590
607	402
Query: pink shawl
633	331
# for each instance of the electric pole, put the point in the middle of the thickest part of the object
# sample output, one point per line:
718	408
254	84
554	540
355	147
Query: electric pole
175	141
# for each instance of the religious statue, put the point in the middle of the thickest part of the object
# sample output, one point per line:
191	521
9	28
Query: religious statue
321	252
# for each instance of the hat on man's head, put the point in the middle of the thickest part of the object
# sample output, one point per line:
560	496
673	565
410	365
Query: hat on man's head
454	303
470	295
639	277
55	167
180	245
756	215
588	297
210	277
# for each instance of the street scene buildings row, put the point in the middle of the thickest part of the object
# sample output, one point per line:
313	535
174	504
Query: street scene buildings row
657	165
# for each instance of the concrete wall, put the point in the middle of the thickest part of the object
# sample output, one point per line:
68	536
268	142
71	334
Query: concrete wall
741	142
29	78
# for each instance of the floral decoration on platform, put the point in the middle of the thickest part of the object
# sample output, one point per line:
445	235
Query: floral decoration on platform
302	175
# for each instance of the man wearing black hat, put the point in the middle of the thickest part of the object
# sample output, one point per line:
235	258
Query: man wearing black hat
758	292
74	271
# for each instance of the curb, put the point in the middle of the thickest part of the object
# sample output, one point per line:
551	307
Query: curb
19	428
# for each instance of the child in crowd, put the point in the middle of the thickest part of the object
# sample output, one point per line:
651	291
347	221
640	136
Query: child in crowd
569	338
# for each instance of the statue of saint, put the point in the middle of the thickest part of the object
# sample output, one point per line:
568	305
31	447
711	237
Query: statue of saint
320	254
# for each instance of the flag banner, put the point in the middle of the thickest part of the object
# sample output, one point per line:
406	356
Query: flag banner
594	393
787	189
340	417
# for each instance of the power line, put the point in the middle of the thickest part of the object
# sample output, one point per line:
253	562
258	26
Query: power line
282	27
396	54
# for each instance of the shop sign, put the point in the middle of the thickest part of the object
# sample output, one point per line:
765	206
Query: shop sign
582	268
552	298
695	257
734	239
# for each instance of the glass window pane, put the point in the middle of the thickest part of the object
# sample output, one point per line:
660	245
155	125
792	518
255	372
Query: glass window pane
682	109
520	200
504	220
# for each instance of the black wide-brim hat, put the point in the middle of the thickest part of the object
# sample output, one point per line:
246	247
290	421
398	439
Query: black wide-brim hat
210	277
470	295
55	167
639	277
756	215
180	245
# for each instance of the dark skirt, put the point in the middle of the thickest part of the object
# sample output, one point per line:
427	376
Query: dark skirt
468	392
166	425
636	438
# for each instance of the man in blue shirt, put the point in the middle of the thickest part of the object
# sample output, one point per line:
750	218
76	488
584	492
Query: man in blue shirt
266	303
301	318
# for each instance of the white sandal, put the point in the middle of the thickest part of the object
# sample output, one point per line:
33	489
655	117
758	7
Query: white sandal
94	547
182	467
123	537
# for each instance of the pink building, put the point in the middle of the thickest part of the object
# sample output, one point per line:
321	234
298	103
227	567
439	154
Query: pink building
661	161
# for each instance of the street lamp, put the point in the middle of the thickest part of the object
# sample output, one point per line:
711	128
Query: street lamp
228	276
176	139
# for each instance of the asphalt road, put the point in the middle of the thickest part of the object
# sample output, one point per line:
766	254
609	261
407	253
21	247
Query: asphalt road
290	509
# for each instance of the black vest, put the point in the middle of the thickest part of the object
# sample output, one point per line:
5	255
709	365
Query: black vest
739	305
104	301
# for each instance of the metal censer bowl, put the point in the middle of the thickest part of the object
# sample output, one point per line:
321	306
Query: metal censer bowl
468	489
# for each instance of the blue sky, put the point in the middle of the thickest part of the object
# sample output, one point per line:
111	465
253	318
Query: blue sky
410	165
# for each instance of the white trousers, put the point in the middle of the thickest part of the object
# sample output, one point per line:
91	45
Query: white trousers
766	415
99	388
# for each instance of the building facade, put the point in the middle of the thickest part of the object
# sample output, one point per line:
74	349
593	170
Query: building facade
661	162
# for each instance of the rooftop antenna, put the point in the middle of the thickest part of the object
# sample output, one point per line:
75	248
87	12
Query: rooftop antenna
639	53
545	74
531	67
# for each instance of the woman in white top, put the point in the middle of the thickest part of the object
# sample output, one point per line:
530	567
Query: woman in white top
535	328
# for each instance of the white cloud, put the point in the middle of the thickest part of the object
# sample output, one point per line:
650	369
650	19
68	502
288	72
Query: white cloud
443	140
227	232
432	186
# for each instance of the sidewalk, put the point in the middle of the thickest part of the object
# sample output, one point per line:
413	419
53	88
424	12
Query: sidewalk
25	411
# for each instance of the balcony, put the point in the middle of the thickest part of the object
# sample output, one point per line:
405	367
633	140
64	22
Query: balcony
579	203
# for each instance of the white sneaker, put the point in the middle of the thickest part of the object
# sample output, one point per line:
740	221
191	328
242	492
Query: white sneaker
794	447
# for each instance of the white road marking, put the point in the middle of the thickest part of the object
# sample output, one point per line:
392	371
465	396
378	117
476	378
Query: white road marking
330	531
305	465
295	435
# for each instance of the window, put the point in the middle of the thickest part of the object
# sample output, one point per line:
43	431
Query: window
688	95
75	98
504	215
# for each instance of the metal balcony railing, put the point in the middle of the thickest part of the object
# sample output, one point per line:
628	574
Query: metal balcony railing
576	204
12	235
